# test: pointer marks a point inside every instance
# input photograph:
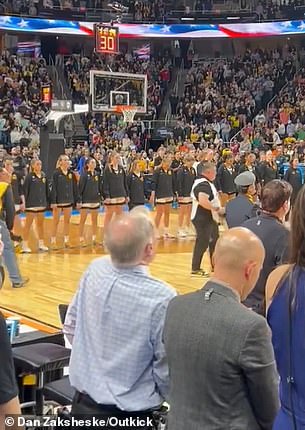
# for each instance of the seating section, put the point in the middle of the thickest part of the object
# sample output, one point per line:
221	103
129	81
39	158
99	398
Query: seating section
220	98
21	109
158	10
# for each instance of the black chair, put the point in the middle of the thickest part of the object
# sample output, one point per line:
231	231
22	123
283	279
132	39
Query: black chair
38	359
60	391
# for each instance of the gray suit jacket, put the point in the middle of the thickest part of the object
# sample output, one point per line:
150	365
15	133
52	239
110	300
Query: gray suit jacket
221	363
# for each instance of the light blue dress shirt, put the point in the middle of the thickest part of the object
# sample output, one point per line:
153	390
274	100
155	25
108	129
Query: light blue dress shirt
115	323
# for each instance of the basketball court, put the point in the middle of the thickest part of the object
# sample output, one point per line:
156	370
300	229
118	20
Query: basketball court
54	276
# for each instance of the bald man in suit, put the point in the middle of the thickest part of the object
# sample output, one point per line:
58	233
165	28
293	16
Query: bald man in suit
220	355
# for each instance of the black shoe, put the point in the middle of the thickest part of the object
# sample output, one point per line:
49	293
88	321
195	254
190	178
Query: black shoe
15	238
21	284
200	273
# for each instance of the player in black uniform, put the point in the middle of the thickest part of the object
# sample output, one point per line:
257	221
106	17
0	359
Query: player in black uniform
225	179
64	196
18	194
163	190
268	169
115	190
36	201
293	176
135	185
90	193
186	176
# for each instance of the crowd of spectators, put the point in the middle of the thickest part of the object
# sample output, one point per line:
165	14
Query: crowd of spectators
158	10
144	10
21	108
138	10
222	97
35	7
282	123
289	9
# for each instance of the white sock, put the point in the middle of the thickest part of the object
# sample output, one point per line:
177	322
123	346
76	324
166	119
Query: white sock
66	239
53	239
81	239
40	242
93	237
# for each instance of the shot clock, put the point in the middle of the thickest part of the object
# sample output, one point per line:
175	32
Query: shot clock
106	39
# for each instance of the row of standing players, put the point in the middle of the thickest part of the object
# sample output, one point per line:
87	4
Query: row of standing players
116	188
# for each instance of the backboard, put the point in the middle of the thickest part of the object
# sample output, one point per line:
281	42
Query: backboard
110	89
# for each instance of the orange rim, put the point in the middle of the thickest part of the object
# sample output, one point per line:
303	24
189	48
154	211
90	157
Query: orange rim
122	108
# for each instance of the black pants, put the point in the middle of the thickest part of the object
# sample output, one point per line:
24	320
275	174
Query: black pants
84	408
207	235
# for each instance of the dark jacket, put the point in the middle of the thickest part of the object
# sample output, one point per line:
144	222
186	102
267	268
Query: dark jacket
64	188
267	172
239	210
135	185
294	177
275	238
245	168
221	363
17	187
36	191
163	183
185	181
7	206
114	184
90	188
225	180
9	388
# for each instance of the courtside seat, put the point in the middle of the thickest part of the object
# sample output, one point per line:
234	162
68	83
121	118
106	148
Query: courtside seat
38	359
59	391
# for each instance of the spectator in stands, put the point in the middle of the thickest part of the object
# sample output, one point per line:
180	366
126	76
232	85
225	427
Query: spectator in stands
268	226
286	317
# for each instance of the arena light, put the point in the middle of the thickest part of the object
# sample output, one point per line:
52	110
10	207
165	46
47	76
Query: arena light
233	18
187	18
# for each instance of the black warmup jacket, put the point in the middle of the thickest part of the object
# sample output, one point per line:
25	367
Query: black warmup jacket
225	180
64	188
114	183
163	183
17	187
36	191
135	186
90	188
185	181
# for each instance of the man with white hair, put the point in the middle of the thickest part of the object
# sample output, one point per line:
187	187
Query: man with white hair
115	324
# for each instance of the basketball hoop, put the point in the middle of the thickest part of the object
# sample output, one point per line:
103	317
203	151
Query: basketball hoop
127	111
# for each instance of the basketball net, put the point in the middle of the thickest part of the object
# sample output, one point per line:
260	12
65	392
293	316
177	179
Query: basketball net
128	112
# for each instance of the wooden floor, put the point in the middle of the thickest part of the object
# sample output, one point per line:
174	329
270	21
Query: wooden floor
54	276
